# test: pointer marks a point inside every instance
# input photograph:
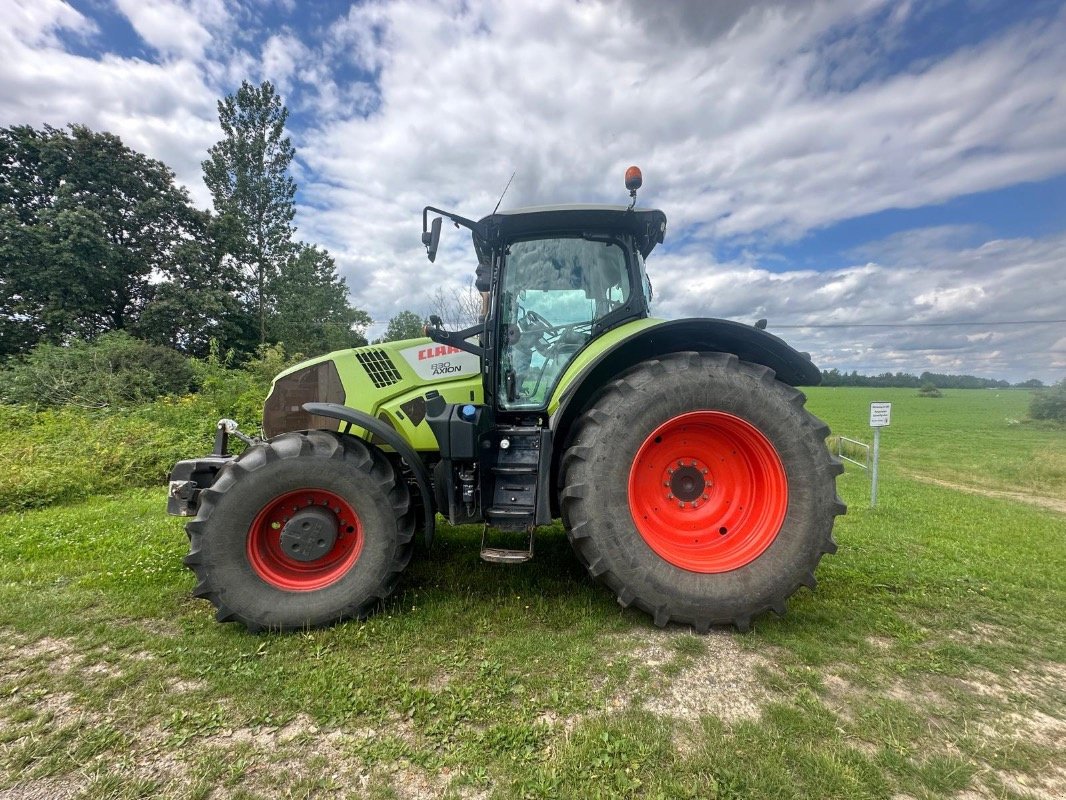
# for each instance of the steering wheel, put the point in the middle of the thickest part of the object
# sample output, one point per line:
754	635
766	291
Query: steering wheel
534	320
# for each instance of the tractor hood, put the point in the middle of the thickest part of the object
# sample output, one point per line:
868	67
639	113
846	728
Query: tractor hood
387	381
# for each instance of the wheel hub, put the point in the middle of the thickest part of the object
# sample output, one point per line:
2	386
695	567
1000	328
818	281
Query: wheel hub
305	540
686	481
309	534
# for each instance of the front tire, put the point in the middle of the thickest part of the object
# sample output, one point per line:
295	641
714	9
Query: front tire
699	489
301	531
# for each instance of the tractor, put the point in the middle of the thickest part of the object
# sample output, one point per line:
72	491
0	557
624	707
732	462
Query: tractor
688	475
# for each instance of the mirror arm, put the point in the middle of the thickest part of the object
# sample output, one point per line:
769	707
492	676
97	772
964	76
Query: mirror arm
457	339
458	220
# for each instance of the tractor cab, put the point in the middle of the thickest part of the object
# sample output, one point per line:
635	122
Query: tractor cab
557	277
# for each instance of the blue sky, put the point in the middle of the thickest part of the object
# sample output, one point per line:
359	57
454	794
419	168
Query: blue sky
842	161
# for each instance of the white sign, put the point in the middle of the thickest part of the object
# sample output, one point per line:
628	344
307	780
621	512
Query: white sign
436	362
880	415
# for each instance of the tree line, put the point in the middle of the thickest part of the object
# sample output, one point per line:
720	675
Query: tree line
905	380
96	237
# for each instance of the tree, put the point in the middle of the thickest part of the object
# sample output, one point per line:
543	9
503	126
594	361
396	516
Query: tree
86	224
201	298
247	172
405	325
1049	403
459	309
312	314
929	389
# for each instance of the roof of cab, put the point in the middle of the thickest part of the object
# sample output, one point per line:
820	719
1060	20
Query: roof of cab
647	225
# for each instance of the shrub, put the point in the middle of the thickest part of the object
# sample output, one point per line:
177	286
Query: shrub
929	389
1049	403
114	370
69	451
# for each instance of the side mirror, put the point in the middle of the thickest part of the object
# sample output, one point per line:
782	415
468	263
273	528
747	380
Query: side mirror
431	239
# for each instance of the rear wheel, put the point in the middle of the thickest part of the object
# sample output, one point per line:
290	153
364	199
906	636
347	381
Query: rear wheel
699	489
301	531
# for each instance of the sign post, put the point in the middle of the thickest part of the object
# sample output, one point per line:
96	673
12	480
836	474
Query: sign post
880	417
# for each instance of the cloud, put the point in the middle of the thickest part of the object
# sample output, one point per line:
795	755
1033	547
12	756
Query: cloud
37	24
982	287
169	27
740	129
755	124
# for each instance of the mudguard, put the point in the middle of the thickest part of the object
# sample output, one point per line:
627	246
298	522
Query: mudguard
648	339
360	419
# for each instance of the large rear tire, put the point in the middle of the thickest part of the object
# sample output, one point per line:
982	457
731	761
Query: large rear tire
301	531
699	489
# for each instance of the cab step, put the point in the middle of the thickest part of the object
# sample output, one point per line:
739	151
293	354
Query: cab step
505	555
499	555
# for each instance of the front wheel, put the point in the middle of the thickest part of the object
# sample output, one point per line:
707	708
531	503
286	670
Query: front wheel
699	489
301	531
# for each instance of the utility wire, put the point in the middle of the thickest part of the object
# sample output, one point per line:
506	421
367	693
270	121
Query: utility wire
924	324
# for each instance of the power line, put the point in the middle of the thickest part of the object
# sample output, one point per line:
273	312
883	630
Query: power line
925	324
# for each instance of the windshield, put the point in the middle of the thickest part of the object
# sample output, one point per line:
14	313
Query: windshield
553	291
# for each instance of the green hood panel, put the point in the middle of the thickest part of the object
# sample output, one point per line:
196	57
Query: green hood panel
390	380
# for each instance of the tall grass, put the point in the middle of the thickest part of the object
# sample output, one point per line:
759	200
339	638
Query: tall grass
69	453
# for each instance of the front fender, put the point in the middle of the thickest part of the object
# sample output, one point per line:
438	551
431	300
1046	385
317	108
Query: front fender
360	419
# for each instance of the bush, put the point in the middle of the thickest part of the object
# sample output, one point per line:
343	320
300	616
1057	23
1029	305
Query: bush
929	389
69	451
113	371
1049	403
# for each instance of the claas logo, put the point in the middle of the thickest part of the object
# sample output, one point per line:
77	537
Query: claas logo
437	352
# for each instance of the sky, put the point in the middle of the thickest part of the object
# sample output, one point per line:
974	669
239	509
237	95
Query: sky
894	172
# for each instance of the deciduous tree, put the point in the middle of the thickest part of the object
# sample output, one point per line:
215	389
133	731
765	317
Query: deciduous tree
405	325
312	314
86	224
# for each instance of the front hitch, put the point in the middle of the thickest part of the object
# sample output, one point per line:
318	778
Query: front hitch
192	476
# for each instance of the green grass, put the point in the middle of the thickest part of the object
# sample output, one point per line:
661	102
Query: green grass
938	620
974	437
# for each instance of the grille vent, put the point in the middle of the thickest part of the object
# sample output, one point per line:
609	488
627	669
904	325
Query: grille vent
379	367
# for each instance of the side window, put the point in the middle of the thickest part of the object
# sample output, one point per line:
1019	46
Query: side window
553	291
645	280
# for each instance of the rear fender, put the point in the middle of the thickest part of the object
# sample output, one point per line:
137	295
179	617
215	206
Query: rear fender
751	344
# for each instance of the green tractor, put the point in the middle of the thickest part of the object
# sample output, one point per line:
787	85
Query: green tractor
678	454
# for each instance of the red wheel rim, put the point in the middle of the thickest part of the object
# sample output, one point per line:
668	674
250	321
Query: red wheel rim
707	491
276	567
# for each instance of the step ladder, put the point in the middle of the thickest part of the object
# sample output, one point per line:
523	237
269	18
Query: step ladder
514	491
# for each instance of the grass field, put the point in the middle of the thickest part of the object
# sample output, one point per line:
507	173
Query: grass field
931	661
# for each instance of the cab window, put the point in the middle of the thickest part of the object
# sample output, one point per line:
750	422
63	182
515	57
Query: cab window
553	292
